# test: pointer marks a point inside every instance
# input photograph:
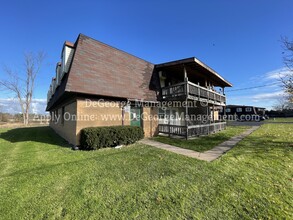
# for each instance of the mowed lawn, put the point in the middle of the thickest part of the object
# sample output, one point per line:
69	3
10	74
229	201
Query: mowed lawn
41	178
288	119
204	143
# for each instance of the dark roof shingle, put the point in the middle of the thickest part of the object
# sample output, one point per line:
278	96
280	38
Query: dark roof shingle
100	69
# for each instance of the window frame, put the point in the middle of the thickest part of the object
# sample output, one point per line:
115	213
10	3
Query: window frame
248	109
62	115
238	109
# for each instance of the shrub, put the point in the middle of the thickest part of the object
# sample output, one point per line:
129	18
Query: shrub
100	137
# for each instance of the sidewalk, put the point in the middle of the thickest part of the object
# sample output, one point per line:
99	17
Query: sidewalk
209	155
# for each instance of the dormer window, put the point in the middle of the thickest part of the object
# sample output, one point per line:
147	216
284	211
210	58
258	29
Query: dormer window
58	73
66	57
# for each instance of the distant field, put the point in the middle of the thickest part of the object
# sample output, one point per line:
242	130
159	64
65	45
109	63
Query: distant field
19	125
289	119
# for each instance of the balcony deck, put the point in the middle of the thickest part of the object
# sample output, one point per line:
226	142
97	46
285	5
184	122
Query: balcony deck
191	91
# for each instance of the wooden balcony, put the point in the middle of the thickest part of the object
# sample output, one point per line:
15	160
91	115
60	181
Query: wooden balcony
191	91
191	131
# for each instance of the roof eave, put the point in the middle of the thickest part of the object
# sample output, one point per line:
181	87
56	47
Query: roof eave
212	71
194	60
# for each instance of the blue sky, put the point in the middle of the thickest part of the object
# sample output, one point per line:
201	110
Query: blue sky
238	39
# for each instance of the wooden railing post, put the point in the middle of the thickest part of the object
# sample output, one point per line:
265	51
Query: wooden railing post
198	91
187	88
186	107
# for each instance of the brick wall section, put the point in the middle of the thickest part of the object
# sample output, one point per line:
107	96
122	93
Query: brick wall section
68	129
101	114
82	114
100	69
112	113
150	122
108	113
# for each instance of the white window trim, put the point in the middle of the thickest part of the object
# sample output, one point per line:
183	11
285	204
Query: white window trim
248	109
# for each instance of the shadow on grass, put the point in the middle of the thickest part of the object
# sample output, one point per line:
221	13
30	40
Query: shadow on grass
49	167
36	134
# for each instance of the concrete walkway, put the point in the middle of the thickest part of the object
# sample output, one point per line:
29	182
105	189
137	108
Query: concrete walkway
209	155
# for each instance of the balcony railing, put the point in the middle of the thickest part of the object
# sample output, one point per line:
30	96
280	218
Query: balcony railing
191	131
190	90
172	129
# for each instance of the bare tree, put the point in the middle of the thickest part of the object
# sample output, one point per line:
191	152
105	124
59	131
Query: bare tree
287	79
282	104
1	113
23	88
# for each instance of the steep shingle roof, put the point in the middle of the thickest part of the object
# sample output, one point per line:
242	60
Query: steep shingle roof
99	69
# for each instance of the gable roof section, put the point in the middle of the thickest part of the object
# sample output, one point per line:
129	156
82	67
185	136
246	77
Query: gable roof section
196	66
99	69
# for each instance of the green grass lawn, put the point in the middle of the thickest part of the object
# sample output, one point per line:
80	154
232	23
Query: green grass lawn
204	143
40	178
290	119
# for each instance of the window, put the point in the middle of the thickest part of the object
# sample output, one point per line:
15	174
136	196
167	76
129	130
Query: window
228	110
161	113
238	109
52	116
62	115
162	116
248	109
56	116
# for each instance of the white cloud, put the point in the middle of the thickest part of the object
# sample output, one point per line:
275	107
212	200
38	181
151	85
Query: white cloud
272	76
269	95
12	106
260	90
263	98
277	74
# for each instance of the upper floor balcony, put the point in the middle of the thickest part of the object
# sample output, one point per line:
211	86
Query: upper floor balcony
191	79
189	91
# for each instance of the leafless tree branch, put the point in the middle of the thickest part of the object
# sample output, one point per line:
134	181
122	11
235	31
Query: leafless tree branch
24	89
287	79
